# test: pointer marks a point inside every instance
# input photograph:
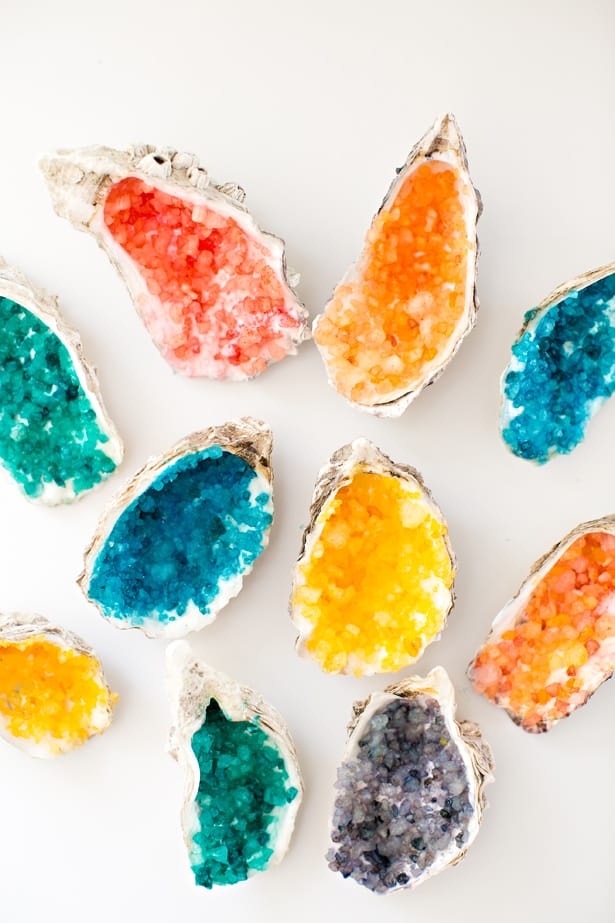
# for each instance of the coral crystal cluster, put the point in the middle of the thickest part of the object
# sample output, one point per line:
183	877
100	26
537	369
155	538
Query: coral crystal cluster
219	307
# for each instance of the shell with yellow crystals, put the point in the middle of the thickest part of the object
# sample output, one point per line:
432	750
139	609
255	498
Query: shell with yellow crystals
373	584
53	693
400	313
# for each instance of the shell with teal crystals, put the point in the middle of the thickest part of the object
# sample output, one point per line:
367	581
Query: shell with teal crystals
562	368
176	543
56	439
242	783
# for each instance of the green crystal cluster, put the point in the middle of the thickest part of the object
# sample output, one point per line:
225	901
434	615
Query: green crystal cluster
244	785
49	432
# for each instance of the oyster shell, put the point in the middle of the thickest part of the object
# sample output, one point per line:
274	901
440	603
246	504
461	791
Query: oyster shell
553	644
401	312
175	544
53	694
373	584
409	791
50	445
562	367
211	288
240	752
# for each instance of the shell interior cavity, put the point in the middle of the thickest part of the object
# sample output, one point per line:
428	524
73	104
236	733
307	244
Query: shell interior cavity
174	546
53	694
553	644
242	782
374	581
409	792
56	440
562	368
400	313
209	285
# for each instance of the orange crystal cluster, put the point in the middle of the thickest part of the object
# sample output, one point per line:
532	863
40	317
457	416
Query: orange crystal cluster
398	314
49	693
561	646
375	586
224	311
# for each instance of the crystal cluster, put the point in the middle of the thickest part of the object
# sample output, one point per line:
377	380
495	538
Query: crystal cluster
373	585
55	440
53	695
554	646
210	286
243	784
186	532
399	314
407	793
562	368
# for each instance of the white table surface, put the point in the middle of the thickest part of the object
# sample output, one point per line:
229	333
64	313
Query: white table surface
310	107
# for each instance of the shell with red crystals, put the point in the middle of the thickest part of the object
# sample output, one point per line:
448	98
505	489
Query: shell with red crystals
210	286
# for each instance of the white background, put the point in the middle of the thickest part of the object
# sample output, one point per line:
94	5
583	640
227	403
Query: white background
310	107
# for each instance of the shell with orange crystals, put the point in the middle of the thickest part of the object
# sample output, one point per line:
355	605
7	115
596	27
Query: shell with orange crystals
399	315
210	286
553	644
53	694
373	585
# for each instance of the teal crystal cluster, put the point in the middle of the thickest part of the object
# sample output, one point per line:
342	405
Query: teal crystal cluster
53	441
244	786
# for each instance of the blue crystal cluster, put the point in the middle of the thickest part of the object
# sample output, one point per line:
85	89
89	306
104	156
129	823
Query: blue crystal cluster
562	371
202	522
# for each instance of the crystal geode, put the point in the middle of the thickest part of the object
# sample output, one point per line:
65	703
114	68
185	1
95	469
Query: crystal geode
242	782
210	286
562	368
399	315
553	644
176	543
53	694
56	440
373	585
409	792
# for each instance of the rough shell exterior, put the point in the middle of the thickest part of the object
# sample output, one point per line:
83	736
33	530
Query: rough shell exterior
248	438
17	627
14	285
78	181
507	616
191	684
359	455
475	751
442	142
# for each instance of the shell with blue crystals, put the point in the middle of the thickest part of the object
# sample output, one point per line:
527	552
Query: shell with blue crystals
56	439
242	782
174	547
409	792
562	368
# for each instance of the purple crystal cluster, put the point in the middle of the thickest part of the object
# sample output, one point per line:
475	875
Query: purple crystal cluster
403	798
